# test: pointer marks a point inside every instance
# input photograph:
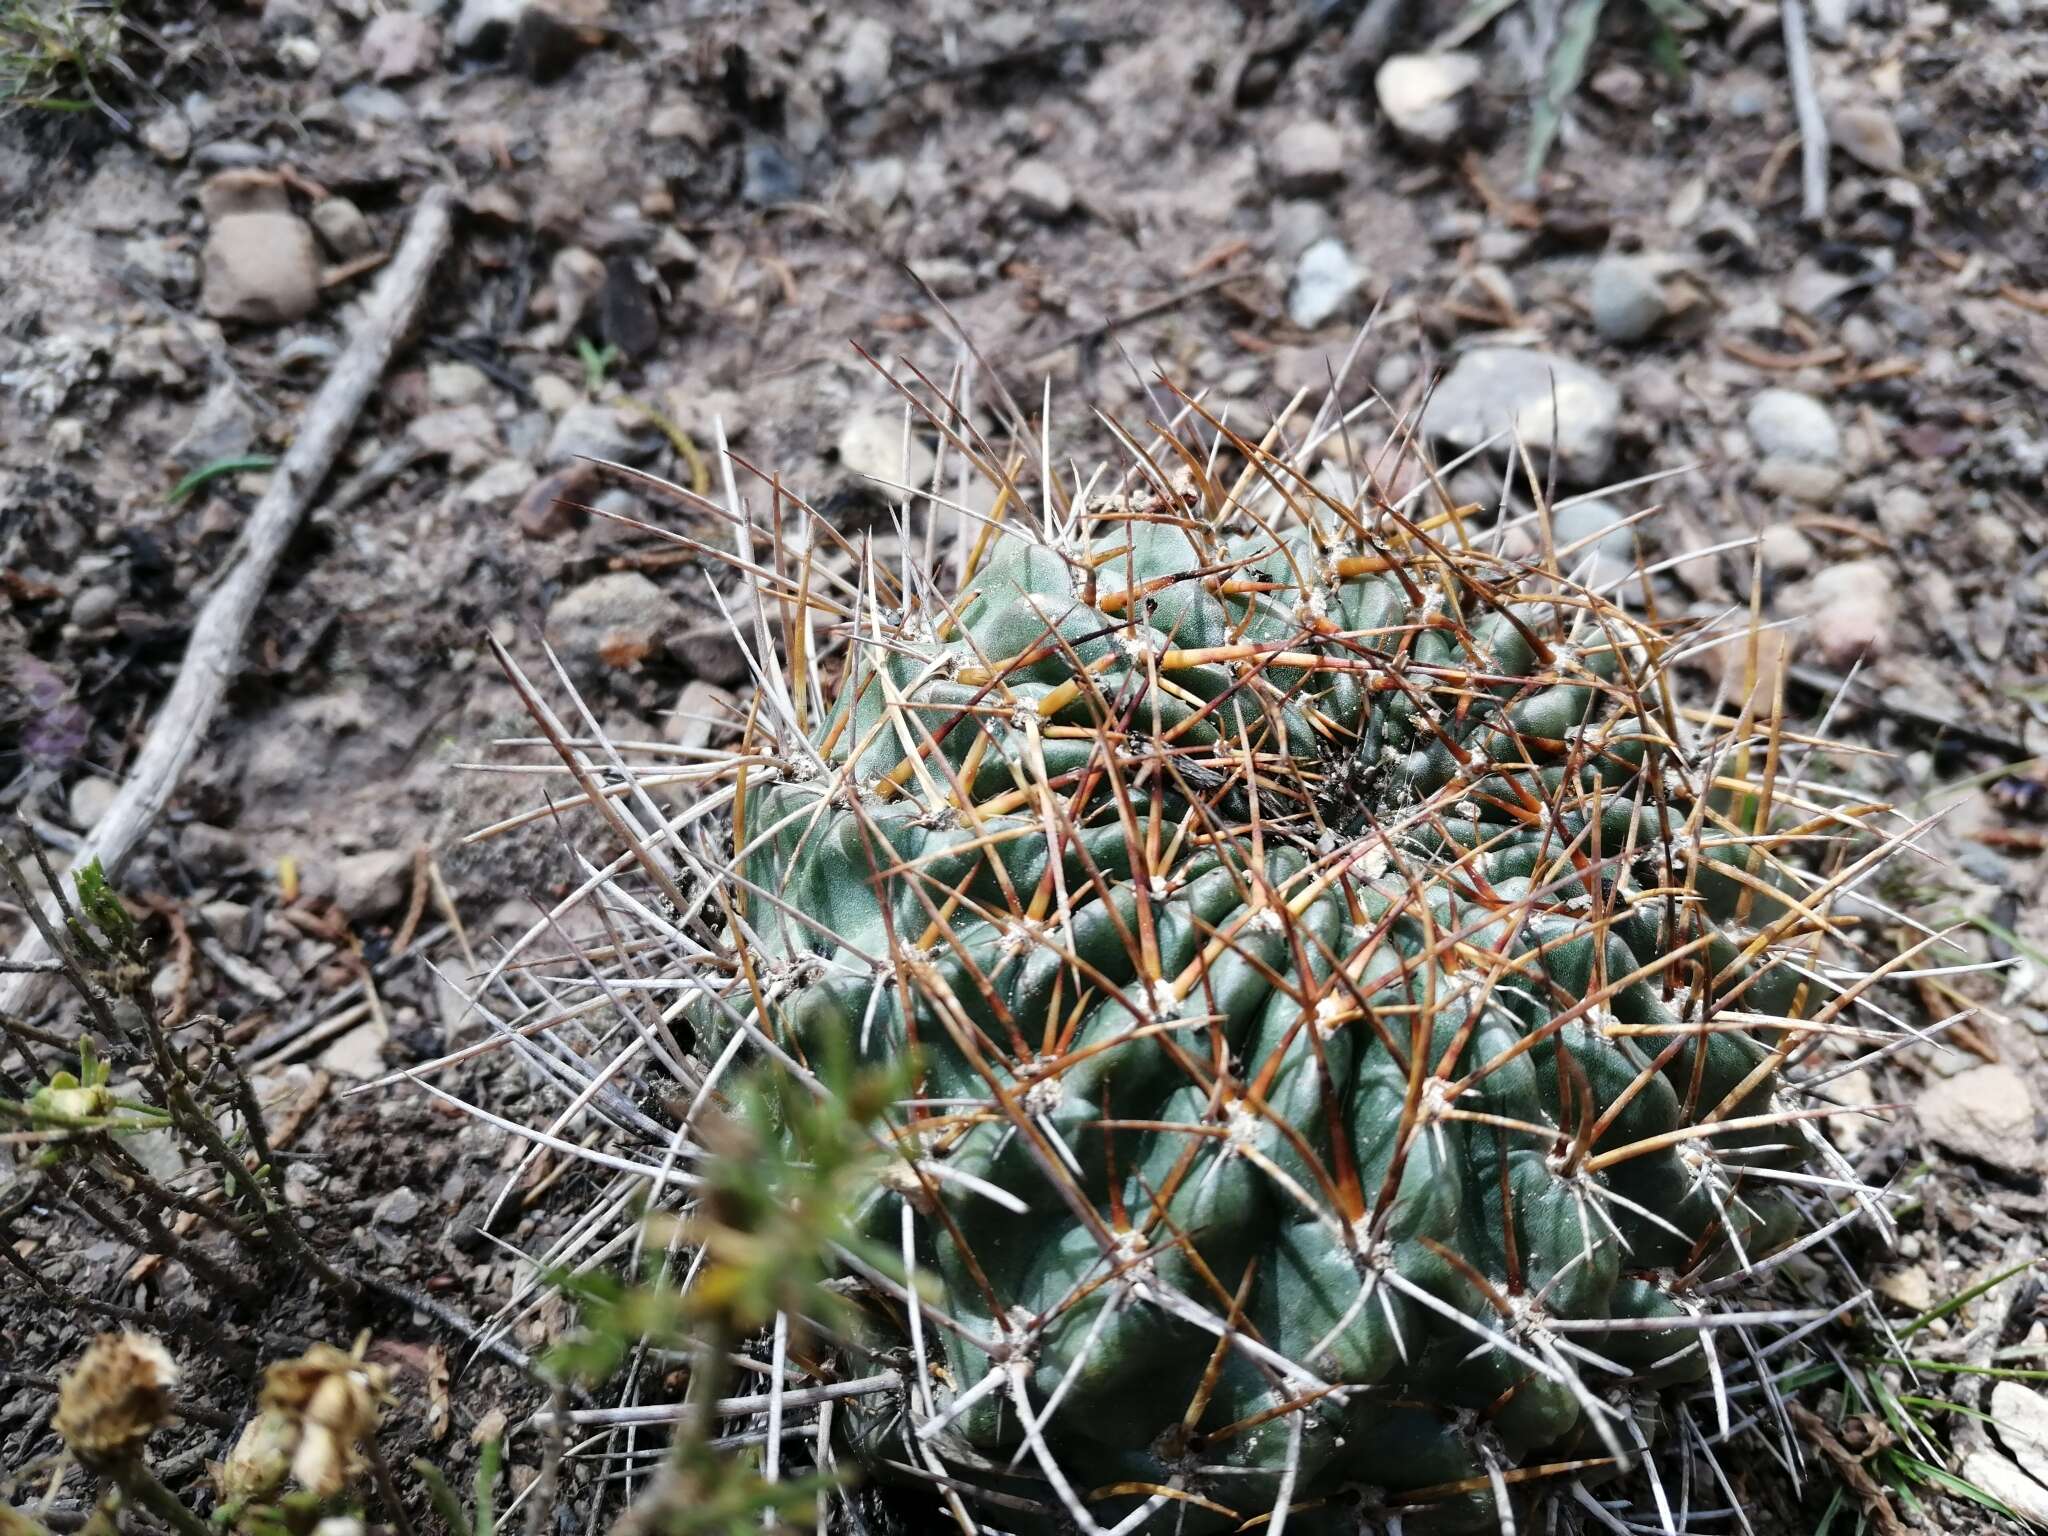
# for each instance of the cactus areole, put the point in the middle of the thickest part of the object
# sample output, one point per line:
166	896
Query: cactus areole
1349	997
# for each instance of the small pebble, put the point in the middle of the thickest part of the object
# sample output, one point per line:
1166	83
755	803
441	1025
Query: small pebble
1798	480
863	66
456	383
89	799
1904	513
168	136
343	228
1307	156
502	482
871	446
1494	393
1868	135
1626	296
1295	225
1784	421
1324	281
398	1208
1427	97
1787	551
1041	189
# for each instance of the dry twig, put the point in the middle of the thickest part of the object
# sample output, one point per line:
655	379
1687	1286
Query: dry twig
217	635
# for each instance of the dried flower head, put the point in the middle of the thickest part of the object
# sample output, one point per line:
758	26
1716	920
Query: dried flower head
116	1396
332	1398
256	1467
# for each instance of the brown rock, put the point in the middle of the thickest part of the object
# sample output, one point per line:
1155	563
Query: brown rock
1985	1113
1868	135
260	267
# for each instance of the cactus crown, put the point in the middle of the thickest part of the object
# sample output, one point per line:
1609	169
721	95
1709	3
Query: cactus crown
1359	1012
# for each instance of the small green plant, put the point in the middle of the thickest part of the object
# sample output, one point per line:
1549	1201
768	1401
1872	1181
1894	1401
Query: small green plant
480	1519
597	363
1886	1445
789	1170
53	52
1569	47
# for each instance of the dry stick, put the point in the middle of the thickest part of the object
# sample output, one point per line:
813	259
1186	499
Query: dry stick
216	641
1813	128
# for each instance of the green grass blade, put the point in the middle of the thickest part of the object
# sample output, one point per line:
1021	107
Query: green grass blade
1960	1487
442	1497
1566	68
1954	1303
215	470
486	1483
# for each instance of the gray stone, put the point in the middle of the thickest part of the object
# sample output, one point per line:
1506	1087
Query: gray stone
1626	296
2009	1485
702	711
502	482
863	65
156	354
588	430
465	433
614	621
1786	550
371	884
871	446
398	1208
357	1053
1794	425
2022	1415
400	45
1307	156
1394	374
376	104
301	55
555	394
171	267
1498	392
168	136
93	606
1798	480
456	383
1985	1113
1324	281
1041	189
91	795
1904	513
230	154
224	428
260	267
1427	97
874	186
1295	225
768	176
1612	548
344	229
950	277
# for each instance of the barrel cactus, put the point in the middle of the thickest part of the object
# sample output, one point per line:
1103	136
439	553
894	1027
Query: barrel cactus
1353	1005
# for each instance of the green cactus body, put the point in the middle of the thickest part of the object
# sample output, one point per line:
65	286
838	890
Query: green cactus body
1315	952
